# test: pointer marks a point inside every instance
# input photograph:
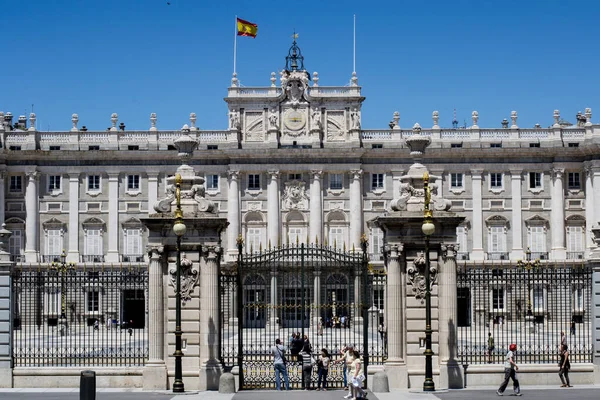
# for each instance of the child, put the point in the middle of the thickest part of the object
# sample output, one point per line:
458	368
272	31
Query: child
510	368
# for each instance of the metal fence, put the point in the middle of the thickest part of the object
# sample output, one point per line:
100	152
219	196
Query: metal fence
65	316
529	304
324	293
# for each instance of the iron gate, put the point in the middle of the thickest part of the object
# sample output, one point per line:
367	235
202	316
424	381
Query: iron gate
529	304
318	291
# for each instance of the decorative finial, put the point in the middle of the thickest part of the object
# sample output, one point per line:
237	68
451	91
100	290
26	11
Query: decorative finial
234	80
354	80
588	117
114	118
513	117
31	122
74	121
396	120
436	118
273	79
556	116
153	122
315	79
475	118
193	122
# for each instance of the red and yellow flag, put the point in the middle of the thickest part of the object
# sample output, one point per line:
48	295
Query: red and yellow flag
246	28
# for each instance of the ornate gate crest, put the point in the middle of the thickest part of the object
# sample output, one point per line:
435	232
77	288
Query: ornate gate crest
416	276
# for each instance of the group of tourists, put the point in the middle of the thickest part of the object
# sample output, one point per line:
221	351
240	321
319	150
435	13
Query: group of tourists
301	349
511	367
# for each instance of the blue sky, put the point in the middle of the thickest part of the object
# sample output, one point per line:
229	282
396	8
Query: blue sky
135	57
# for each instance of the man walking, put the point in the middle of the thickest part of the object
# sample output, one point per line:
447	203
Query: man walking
510	368
279	365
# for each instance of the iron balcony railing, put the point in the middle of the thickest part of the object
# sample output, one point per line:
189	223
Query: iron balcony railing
97	258
539	255
50	258
497	255
575	255
462	256
132	258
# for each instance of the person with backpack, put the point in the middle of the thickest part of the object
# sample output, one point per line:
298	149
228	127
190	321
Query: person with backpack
280	365
510	368
565	366
323	369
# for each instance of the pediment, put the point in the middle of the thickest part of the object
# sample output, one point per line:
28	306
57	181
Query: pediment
536	220
54	223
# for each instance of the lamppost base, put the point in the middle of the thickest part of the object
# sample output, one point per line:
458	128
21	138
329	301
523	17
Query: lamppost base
178	387
429	386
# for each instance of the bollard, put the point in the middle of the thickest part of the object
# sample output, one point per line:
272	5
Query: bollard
87	385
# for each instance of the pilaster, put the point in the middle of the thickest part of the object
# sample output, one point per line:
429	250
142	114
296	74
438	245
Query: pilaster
273	210
152	190
517	217
355	209
155	369
233	213
316	207
589	208
557	215
113	218
32	219
477	252
73	253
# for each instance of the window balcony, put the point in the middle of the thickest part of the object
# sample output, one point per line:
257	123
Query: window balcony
50	258
539	255
132	258
17	258
497	255
92	258
575	255
462	256
375	256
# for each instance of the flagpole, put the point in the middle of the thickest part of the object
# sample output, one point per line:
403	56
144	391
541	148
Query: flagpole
235	45
354	47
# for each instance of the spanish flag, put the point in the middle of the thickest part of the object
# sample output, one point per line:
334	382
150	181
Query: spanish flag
246	28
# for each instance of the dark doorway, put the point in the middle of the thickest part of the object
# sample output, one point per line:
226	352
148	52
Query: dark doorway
463	305
134	309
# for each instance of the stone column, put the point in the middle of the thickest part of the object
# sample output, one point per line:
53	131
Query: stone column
233	213
355	214
316	308
210	329
589	209
274	212
73	253
557	215
32	218
450	369
113	218
6	313
2	199
316	207
517	217
395	366
152	191
477	253
155	370
272	321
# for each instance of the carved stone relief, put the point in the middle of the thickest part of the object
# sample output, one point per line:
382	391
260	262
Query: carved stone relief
415	273
189	277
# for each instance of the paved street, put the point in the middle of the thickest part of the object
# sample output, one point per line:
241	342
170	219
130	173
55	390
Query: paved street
529	392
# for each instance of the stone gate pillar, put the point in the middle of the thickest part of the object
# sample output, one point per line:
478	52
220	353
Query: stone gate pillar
594	261
6	311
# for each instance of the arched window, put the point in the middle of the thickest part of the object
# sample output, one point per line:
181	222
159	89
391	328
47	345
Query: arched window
337	229
255	232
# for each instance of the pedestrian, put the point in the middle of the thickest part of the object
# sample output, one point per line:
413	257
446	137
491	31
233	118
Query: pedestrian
307	366
358	377
572	327
280	365
510	368
490	347
296	345
323	369
347	359
563	339
565	366
306	346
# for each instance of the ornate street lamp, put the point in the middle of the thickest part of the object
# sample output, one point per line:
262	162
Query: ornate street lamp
428	229
179	229
528	264
61	268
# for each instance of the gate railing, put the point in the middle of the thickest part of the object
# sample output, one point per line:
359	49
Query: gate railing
528	304
70	316
318	291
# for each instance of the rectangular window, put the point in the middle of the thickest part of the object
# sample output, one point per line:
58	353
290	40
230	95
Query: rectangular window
456	180
574	180
93	183
253	182
578	300
573	144
376	181
376	243
535	180
538	299
537	239
54	148
133	182
54	242
335	181
455	145
253	240
294	177
53	182
534	145
16	184
93	148
212	182
336	237
496	145
93	242
295	235
15	241
377	146
498	299
497	239
575	239
379	298
133	242
93	301
52	297
461	238
496	180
